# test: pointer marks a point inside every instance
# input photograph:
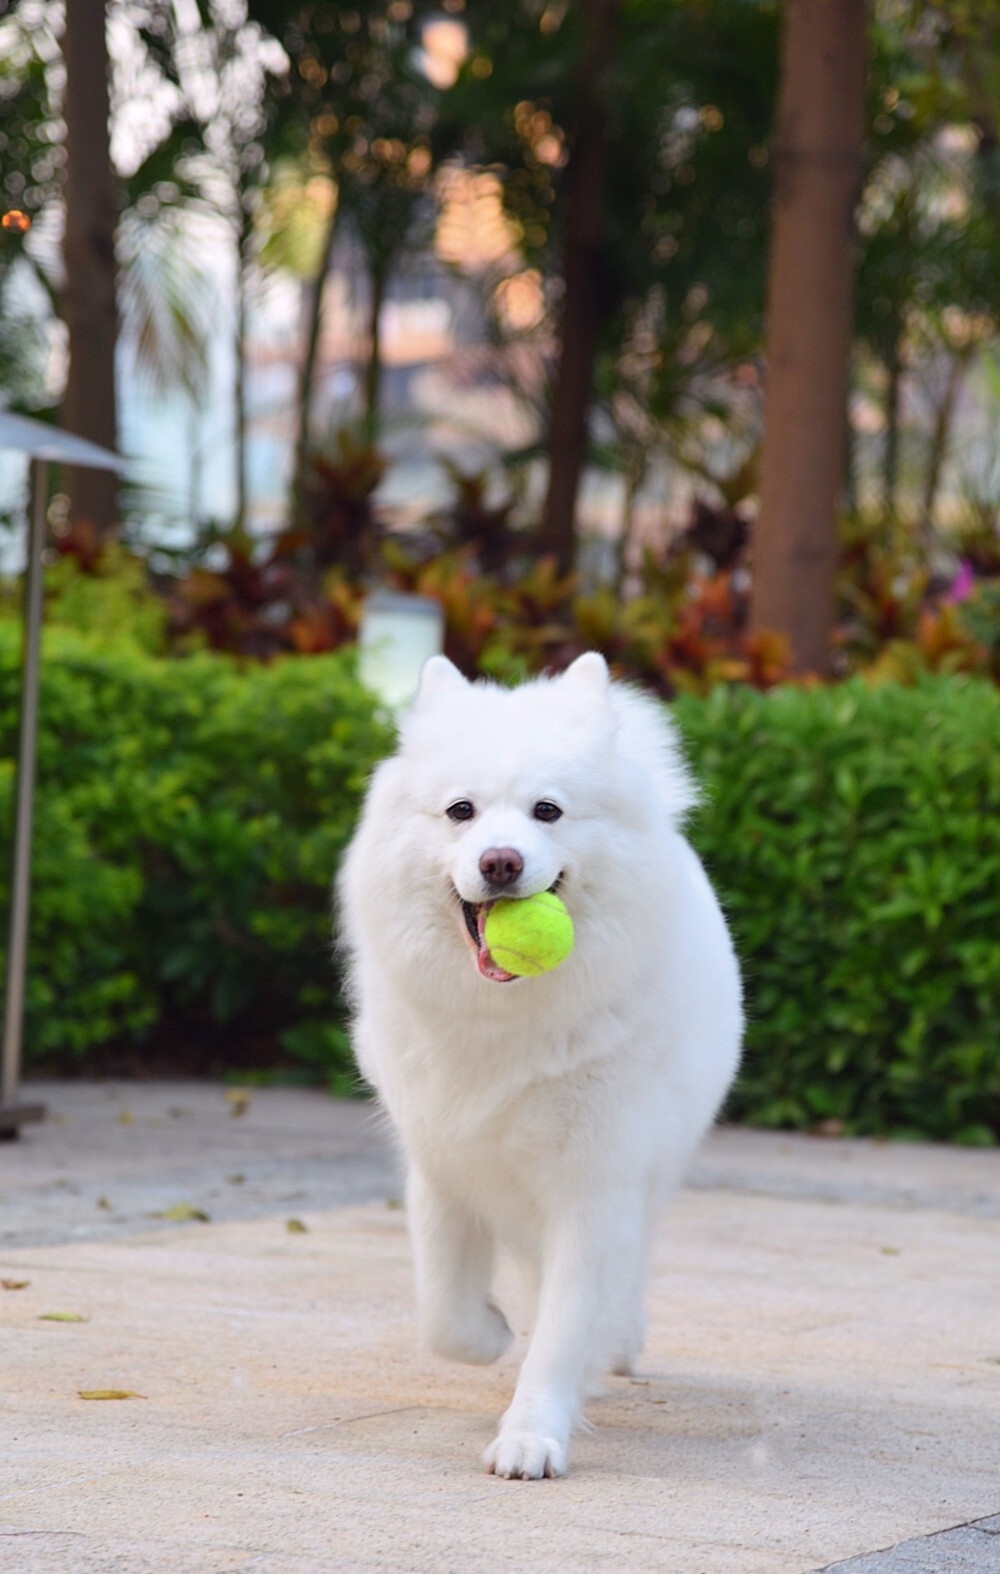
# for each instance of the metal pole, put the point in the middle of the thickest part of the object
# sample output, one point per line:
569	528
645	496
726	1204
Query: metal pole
11	1115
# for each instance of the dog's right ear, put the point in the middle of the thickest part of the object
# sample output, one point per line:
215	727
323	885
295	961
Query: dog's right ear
439	677
589	675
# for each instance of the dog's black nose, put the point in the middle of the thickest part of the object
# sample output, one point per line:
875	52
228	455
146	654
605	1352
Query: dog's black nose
501	866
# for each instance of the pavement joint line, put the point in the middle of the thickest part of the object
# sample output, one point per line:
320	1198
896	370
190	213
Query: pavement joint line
333	1426
55	1486
897	1559
13	1533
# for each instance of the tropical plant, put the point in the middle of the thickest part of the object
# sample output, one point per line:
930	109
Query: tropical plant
214	157
671	166
361	110
29	183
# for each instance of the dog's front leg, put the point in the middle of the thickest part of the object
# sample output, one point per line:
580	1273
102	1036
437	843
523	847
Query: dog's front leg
453	1257
591	1263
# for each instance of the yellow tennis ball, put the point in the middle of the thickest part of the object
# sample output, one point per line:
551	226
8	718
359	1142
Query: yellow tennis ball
530	935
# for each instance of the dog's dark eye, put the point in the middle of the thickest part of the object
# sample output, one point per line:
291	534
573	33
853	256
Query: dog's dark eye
463	810
549	812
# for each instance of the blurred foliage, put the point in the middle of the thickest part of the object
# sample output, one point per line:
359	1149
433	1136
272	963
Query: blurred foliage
899	618
289	119
357	106
30	167
854	835
191	812
677	621
677	633
110	603
188	821
31	155
507	612
689	96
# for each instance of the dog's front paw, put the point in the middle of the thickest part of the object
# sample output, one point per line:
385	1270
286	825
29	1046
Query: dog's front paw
477	1339
525	1455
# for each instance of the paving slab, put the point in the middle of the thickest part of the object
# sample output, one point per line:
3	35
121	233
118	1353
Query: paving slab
968	1549
112	1155
821	1384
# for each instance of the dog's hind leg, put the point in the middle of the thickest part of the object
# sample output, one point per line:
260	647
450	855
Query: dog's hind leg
453	1256
628	1322
625	1353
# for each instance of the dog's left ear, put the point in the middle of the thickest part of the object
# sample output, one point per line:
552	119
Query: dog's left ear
439	677
588	675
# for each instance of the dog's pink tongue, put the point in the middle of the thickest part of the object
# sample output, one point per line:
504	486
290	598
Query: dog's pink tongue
484	961
490	969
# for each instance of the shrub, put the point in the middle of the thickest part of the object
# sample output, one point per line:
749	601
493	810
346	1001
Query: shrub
854	834
102	594
189	817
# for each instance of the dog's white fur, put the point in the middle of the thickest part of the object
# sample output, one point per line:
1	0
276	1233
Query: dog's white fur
551	1115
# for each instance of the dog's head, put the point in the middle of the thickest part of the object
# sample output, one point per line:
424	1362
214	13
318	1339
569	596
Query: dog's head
564	784
511	787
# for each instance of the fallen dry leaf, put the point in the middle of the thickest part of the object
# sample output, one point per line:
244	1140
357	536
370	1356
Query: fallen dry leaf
180	1212
125	1117
102	1202
296	1227
14	1284
238	1098
62	1317
109	1393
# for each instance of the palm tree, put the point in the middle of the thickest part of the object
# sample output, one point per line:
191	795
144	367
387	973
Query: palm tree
89	295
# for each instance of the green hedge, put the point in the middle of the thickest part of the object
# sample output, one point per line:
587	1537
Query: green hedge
190	815
854	834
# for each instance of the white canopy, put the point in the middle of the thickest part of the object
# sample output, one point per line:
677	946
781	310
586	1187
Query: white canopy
49	442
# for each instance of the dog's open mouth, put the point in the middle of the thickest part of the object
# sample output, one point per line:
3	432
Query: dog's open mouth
474	914
474	917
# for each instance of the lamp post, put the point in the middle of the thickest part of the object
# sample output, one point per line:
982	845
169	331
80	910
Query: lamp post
45	445
398	634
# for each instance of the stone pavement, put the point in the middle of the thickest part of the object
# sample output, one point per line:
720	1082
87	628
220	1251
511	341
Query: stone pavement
821	1386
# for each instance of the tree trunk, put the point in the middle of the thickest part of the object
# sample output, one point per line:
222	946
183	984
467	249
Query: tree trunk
89	302
893	392
634	472
941	435
850	456
240	373
581	309
373	370
307	371
817	160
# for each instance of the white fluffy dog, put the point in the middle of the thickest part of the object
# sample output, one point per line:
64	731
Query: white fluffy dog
551	1115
